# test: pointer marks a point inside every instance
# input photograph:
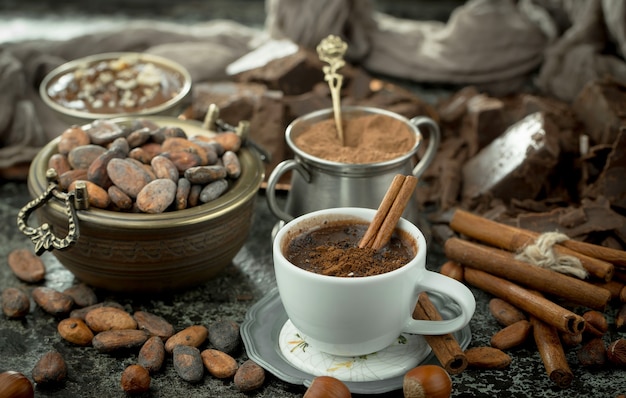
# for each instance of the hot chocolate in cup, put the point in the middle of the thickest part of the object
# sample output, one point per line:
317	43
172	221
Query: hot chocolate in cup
351	316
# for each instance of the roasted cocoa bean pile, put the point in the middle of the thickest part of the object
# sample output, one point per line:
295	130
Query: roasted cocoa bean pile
144	167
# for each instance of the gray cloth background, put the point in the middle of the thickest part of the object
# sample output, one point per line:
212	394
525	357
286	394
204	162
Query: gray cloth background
496	45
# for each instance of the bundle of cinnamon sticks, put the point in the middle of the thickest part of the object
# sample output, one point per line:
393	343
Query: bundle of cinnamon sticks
485	258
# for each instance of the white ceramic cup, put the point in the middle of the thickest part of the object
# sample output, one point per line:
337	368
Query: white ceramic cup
361	315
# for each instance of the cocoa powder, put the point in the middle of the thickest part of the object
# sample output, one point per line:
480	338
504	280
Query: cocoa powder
333	250
367	139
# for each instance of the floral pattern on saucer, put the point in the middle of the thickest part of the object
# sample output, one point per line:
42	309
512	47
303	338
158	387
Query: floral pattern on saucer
404	354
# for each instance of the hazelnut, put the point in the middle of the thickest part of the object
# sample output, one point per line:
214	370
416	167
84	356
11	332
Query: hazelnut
327	387
427	381
15	385
616	352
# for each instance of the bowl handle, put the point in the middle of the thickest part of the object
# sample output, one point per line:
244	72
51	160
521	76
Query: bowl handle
42	236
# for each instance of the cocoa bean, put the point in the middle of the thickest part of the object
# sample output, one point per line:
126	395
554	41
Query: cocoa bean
224	335
219	364
82	312
211	150
164	168
103	131
50	369
154	325
209	142
15	303
249	376
76	331
182	193
156	196
229	140
141	155
109	318
82	157
194	195
505	313
119	199
60	163
183	160
193	336
67	178
152	354
138	137
71	138
487	358
96	195
232	164
512	335
128	176
162	133
26	265
120	145
188	363
135	379
97	171
205	174
114	340
213	190
83	295
52	301
173	144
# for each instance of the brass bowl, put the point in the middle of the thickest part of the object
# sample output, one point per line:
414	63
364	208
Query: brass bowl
138	252
176	75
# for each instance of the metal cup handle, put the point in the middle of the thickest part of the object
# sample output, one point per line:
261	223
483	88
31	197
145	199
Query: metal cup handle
270	191
434	136
42	236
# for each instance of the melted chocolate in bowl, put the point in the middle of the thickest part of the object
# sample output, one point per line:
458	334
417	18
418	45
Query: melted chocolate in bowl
120	85
333	250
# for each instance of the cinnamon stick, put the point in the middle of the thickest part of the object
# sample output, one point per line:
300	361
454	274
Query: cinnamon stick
503	264
552	354
445	347
553	314
383	210
384	223
513	239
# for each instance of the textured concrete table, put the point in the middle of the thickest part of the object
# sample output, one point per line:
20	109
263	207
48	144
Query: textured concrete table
230	296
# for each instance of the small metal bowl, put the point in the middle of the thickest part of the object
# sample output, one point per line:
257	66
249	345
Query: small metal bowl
81	110
139	252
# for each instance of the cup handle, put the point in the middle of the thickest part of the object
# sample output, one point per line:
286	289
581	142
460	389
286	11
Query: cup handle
272	180
451	288
434	136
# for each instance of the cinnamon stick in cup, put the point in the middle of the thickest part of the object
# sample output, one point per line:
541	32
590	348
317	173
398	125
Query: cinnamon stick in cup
511	238
445	347
503	264
389	212
549	312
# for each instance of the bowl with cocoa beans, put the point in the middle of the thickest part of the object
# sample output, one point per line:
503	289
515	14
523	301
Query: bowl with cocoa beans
117	84
142	204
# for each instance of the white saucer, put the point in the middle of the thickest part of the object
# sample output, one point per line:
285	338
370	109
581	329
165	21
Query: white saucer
266	319
404	354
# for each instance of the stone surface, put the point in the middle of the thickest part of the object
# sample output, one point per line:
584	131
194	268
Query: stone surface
230	295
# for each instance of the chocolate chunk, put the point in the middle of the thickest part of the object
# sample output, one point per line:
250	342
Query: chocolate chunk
516	164
601	105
